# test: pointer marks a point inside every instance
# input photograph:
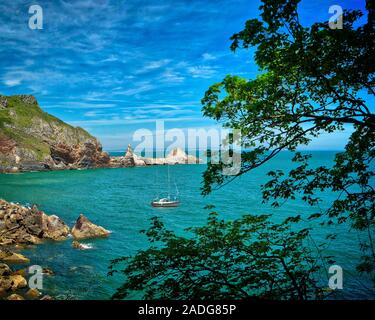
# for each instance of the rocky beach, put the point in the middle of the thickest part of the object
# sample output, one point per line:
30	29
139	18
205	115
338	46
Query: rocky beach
21	226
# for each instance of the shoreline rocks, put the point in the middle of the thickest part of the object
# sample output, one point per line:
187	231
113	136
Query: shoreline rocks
12	258
21	225
85	229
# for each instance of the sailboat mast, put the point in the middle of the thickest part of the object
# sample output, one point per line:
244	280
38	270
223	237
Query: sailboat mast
169	183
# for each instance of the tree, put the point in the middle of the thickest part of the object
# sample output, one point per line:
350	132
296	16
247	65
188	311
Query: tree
313	80
249	258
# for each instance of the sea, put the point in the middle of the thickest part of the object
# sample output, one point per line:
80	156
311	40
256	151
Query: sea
119	200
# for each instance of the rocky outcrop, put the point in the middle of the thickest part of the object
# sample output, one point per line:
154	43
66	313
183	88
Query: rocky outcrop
10	282
15	296
12	258
31	139
85	229
176	156
21	225
33	294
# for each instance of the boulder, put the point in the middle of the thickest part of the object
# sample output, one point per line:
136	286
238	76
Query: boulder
18	282
15	296
3	293
85	229
54	228
48	272
33	294
12	282
77	245
13	258
5	270
6	283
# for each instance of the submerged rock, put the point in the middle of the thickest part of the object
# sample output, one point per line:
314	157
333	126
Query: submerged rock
85	229
77	245
48	272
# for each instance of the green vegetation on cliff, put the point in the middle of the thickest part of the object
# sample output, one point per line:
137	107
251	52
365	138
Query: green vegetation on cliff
27	132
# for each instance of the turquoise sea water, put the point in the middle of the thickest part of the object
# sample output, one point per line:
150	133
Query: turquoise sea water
119	200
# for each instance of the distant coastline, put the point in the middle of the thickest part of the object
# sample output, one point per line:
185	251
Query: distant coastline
33	140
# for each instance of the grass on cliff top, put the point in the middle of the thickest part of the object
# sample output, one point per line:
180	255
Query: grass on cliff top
19	115
25	112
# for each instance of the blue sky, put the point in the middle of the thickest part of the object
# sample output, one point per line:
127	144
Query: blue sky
114	66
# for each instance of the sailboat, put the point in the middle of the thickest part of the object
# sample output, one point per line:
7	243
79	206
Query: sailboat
168	201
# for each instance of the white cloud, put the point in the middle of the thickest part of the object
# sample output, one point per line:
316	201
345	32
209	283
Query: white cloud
205	72
80	105
12	82
172	76
139	88
154	65
117	121
208	56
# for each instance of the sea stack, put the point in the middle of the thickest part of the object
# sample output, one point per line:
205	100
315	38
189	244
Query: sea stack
85	229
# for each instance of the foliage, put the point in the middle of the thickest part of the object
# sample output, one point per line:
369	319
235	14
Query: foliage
243	259
313	81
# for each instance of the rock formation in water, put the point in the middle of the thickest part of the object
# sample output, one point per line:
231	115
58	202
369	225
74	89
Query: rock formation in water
31	139
85	229
21	225
176	156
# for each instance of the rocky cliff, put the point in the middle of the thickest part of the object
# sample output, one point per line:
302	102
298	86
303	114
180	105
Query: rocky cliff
31	139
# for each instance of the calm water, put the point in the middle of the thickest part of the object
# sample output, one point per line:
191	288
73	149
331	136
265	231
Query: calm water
118	199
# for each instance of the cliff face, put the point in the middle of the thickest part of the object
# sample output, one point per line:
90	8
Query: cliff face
31	139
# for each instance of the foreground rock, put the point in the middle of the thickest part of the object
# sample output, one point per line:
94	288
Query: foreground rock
15	297
85	229
12	258
10	282
21	225
33	294
5	270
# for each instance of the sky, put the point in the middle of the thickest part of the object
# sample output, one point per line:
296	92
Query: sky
116	66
